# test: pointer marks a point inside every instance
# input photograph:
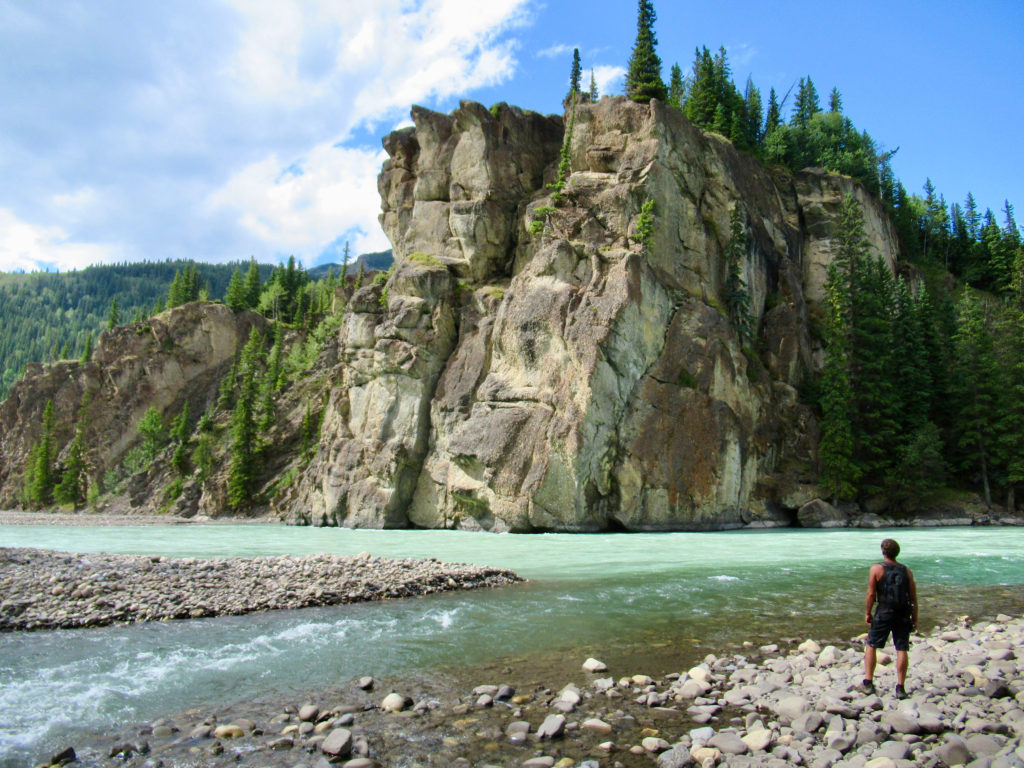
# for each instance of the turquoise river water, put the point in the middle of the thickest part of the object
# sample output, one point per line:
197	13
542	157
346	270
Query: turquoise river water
652	602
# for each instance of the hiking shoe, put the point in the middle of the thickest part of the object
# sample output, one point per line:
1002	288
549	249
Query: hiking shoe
867	686
901	692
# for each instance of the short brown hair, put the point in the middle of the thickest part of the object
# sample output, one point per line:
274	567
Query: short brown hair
890	548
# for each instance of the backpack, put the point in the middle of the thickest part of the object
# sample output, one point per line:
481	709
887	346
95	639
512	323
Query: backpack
893	589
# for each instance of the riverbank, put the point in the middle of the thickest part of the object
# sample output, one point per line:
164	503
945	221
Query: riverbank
89	518
56	590
815	514
796	704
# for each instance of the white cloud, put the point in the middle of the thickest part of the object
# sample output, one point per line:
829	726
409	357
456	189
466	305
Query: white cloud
372	57
371	60
28	247
171	131
301	207
610	80
555	51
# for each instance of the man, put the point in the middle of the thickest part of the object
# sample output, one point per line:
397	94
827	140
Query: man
892	585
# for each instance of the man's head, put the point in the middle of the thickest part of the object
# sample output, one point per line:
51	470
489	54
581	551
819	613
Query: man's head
890	548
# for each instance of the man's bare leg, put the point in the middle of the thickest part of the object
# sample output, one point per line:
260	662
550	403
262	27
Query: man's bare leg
902	664
869	663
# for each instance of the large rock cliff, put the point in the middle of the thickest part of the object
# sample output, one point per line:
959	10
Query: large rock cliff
563	375
534	362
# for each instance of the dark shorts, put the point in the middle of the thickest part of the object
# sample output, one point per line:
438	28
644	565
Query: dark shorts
884	622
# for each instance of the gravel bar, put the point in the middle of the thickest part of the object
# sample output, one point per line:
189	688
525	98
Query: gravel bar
57	590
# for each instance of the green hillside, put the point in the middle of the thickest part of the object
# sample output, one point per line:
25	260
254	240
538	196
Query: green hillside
51	315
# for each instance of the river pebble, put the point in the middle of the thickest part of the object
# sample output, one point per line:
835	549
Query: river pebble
56	590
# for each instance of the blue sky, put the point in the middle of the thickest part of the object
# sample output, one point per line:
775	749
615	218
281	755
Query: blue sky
223	129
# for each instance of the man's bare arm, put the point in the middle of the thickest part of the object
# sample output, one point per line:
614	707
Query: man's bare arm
913	597
873	576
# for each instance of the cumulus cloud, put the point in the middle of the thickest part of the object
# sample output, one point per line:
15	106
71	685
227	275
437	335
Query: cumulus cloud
372	59
221	130
610	79
27	247
302	206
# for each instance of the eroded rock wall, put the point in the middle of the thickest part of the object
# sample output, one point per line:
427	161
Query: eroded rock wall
175	357
565	375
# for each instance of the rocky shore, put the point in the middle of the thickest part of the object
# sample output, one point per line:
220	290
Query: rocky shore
800	704
56	590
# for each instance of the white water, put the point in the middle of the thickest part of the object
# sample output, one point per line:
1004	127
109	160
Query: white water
603	595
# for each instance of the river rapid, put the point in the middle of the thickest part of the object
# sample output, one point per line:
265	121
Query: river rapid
649	603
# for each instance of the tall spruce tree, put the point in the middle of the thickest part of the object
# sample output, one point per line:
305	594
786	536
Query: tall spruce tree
40	474
235	297
676	93
1010	419
643	73
974	387
575	75
245	447
595	94
839	472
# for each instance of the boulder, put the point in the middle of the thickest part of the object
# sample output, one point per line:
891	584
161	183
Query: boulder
820	514
338	743
552	728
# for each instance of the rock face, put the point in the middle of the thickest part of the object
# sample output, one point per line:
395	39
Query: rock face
563	375
175	357
536	363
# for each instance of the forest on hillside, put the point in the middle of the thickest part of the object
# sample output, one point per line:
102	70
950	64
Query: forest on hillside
233	430
50	316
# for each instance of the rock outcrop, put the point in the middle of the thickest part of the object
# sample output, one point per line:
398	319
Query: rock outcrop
536	360
535	367
175	357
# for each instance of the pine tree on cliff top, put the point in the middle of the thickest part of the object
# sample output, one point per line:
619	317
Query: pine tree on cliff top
643	78
575	74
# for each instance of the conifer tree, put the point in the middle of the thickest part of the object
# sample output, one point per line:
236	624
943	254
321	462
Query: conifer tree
1010	419
702	99
272	379
252	285
72	486
835	101
752	114
575	75
839	472
40	475
151	430
773	117
807	104
676	93
737	299
245	447
113	314
180	433
595	94
974	381
235	297
87	352
643	75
